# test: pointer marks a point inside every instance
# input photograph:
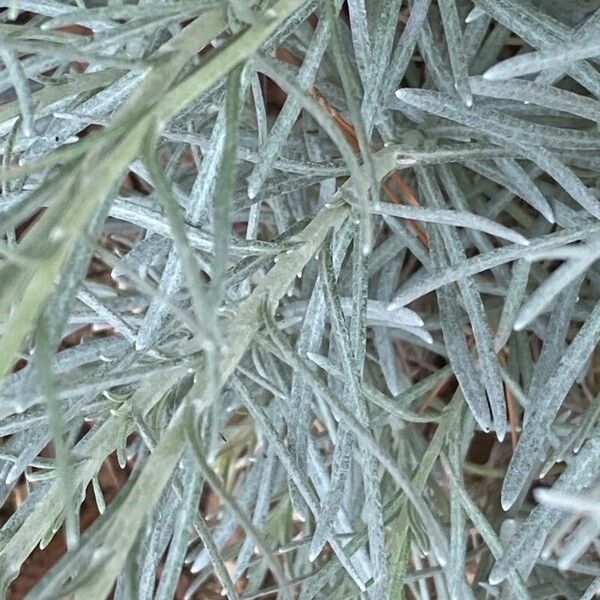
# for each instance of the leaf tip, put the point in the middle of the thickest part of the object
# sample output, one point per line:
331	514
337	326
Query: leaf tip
491	74
507	498
520	322
393	305
497	575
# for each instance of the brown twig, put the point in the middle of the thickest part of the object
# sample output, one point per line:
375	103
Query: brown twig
510	407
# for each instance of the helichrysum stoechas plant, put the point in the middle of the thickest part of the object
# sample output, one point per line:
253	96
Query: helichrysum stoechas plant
322	277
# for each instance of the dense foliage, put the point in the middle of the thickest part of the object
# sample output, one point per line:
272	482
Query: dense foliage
300	299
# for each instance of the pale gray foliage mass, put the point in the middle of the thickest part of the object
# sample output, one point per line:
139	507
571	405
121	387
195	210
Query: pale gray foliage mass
320	278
